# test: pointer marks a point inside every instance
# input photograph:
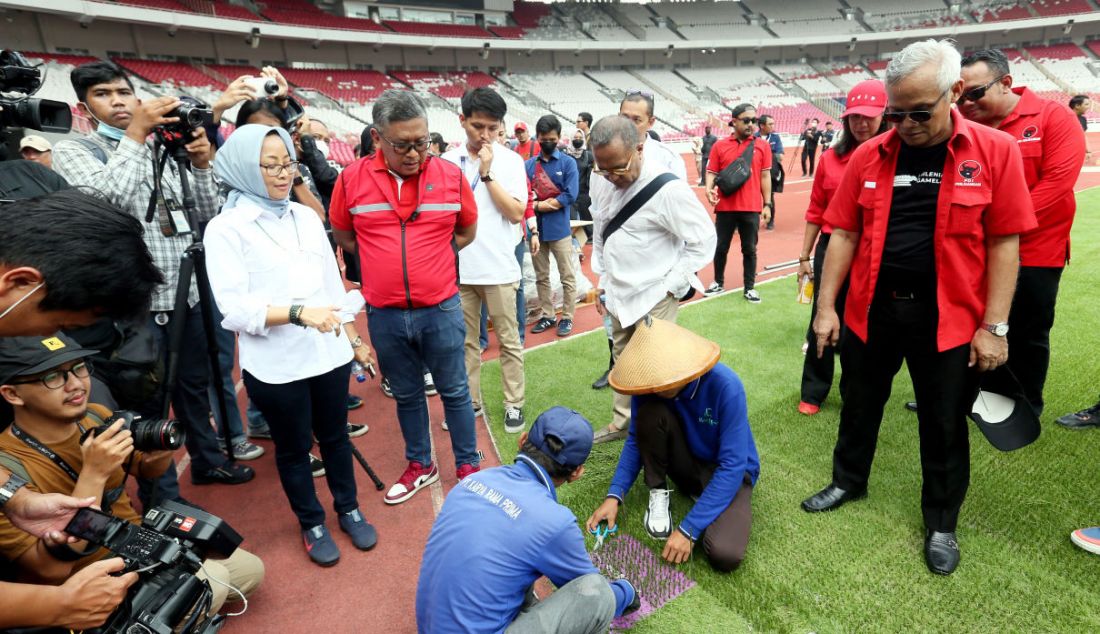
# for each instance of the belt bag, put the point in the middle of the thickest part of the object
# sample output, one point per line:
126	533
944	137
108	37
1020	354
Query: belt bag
734	175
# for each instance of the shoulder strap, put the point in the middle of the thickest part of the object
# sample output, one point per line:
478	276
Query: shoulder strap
636	203
93	147
11	463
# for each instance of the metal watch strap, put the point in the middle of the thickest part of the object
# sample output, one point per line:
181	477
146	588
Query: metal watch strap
7	492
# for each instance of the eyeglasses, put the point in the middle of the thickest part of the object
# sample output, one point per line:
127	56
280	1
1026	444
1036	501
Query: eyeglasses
638	91
748	120
975	94
920	116
276	169
57	379
404	148
620	171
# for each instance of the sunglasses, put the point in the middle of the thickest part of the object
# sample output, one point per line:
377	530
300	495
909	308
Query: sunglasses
919	116
975	94
748	120
637	91
620	171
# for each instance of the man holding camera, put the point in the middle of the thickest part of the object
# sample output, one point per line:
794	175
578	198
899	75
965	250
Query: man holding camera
118	163
50	445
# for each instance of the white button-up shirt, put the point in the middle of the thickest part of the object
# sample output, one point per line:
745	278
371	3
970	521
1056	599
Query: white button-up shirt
657	251
257	260
660	154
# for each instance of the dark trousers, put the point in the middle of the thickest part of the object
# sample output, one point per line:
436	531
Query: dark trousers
1030	322
746	223
703	170
808	154
817	374
296	413
665	454
945	387
190	404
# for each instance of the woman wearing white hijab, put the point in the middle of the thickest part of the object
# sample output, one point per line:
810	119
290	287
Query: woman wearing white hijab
276	282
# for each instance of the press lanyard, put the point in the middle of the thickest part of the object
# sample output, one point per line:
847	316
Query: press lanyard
477	179
110	496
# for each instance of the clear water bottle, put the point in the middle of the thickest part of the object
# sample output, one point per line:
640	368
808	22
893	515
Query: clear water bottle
359	371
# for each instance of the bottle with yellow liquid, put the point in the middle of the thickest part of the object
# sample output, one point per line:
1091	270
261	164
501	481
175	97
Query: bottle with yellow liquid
806	290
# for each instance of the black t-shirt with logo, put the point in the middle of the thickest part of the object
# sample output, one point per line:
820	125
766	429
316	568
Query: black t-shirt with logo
910	231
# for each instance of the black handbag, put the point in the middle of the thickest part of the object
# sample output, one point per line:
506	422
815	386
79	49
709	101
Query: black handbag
734	175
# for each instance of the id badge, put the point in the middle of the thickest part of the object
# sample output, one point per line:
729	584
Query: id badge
177	216
304	275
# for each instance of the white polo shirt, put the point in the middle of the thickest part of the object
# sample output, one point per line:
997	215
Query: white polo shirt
491	258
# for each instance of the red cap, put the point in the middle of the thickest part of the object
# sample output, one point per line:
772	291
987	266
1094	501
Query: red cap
521	126
867	98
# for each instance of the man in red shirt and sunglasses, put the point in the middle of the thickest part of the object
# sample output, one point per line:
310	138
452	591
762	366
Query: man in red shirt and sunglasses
1053	148
927	219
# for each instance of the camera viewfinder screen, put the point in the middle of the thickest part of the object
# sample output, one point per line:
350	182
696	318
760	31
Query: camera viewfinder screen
89	524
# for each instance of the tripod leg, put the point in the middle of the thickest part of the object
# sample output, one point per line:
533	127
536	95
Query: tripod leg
205	299
366	467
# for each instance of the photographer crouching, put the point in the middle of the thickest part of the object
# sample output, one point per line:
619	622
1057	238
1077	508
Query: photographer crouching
60	444
120	165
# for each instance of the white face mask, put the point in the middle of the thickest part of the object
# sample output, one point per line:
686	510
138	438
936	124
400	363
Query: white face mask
322	147
21	300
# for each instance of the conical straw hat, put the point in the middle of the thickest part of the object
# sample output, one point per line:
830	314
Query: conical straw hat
662	356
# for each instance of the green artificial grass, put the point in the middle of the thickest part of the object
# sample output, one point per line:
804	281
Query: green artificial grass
861	568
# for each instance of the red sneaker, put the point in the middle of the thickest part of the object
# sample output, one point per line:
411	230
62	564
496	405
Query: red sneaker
465	470
416	477
809	409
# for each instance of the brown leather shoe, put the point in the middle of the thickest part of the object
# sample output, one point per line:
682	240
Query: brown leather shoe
608	434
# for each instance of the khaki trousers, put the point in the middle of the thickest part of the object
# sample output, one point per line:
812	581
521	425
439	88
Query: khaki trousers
620	336
563	254
501	303
242	570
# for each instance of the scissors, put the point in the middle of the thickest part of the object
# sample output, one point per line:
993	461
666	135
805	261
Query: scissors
602	532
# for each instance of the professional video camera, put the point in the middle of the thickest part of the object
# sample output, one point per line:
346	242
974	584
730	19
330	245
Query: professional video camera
149	435
18	81
166	551
191	113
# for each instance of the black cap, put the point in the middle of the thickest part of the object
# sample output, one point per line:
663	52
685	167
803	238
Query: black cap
1008	422
22	356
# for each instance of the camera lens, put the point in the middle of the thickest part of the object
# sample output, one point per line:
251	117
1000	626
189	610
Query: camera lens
157	435
271	87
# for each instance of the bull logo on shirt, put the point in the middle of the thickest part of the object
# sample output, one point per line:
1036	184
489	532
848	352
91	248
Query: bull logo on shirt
1030	131
969	169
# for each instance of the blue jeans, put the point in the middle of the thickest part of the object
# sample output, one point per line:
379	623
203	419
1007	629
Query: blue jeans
408	340
227	347
521	304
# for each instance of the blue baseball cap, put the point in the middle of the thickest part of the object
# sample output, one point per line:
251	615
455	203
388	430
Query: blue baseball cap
573	430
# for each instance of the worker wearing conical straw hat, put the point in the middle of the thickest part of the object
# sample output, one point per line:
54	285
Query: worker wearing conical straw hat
689	423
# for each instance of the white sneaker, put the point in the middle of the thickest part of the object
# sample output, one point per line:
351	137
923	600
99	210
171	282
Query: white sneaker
658	520
752	296
429	385
714	289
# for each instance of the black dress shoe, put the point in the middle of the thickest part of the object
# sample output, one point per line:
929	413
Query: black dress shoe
911	406
941	552
228	473
601	382
830	498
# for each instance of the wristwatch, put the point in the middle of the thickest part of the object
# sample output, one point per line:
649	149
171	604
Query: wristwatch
999	329
488	178
7	492
768	205
357	342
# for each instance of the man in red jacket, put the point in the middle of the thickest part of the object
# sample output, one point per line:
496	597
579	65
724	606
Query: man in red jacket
1053	148
407	214
927	220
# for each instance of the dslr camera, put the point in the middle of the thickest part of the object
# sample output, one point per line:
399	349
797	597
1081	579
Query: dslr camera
167	550
18	81
192	114
149	435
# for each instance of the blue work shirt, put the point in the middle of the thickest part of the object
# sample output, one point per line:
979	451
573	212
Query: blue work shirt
715	417
562	170
776	142
499	530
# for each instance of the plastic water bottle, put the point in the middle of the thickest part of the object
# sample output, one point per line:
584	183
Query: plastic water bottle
359	371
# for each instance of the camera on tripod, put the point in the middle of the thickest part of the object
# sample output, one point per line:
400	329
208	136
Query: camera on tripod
149	435
18	81
192	114
166	551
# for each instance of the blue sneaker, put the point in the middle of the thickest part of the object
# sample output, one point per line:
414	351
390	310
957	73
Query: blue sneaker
320	547
565	327
361	532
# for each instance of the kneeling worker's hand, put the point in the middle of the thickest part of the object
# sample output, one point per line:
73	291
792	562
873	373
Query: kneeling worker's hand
677	548
606	512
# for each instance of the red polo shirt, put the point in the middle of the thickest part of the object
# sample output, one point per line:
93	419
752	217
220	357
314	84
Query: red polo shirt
405	245
982	193
748	197
1053	147
830	169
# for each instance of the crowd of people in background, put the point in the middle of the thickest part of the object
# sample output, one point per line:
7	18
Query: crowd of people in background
933	239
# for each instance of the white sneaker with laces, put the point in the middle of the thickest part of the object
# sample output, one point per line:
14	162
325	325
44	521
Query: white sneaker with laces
714	289
658	520
752	296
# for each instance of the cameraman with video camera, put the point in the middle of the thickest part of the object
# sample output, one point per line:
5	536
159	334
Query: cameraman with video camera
60	444
119	164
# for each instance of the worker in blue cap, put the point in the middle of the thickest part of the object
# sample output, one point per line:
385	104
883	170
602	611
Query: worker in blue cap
500	529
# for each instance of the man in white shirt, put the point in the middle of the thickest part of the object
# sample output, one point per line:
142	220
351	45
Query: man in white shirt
650	263
487	269
638	107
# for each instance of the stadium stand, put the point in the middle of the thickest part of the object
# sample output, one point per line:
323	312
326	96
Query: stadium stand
1061	7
